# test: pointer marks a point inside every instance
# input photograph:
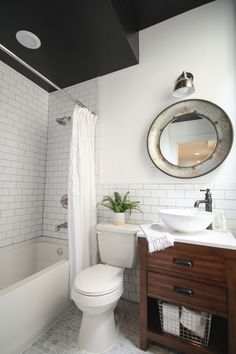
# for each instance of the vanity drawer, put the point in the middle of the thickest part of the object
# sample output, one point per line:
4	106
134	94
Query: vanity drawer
194	260
187	292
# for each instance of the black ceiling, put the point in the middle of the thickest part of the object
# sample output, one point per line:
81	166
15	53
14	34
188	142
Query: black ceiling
81	39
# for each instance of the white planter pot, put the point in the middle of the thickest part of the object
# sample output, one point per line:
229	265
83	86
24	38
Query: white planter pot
118	219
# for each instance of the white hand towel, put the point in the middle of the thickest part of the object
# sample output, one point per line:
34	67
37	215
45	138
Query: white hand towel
194	321
158	239
170	319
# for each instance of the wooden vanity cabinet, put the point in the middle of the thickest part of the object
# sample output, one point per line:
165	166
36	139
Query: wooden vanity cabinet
209	275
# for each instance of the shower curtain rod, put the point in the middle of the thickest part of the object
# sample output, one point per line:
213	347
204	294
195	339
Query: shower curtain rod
7	51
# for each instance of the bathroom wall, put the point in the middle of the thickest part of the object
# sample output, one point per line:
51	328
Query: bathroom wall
58	152
202	41
23	139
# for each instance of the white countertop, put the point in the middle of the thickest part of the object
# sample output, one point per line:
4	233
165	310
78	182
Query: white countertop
210	238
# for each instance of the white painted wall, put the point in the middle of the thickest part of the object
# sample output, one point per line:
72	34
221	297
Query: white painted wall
202	41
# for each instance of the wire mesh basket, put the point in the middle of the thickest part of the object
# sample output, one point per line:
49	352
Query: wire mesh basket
185	323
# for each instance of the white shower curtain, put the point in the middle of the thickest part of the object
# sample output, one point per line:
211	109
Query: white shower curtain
82	193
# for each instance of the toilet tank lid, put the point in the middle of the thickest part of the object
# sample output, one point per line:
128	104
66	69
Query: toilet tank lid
122	229
99	279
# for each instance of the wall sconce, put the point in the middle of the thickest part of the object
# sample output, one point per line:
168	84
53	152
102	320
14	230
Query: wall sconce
184	85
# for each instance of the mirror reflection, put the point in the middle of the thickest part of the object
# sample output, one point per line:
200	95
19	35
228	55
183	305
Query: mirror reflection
188	140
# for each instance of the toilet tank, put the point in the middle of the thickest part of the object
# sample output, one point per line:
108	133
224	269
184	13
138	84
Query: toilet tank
118	244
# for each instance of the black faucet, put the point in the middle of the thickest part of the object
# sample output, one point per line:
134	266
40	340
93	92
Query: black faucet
207	201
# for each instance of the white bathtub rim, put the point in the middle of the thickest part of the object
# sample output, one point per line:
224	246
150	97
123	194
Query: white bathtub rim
36	275
56	240
40	239
17	245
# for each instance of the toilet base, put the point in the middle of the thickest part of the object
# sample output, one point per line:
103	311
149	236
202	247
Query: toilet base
97	333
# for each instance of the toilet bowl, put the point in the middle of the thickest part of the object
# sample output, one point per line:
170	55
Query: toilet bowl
97	289
96	292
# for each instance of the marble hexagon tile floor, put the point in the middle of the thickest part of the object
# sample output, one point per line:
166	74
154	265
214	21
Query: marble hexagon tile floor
62	337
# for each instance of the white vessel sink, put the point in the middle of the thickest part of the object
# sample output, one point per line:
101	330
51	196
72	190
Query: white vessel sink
186	220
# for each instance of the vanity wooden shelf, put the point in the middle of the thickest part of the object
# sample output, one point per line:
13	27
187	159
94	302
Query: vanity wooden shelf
210	273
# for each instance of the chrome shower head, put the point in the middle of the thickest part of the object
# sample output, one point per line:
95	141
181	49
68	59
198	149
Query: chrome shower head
63	120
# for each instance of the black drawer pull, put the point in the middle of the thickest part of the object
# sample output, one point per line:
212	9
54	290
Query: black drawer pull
183	262
183	291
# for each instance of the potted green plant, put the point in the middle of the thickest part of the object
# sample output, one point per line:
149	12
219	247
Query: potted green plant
119	205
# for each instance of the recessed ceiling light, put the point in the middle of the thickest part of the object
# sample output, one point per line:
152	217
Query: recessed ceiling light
28	39
197	153
198	161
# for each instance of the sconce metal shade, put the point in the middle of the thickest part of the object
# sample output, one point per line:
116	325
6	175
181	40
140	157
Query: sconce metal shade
184	85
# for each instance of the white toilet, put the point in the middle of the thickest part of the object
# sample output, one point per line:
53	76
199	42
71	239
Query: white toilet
97	289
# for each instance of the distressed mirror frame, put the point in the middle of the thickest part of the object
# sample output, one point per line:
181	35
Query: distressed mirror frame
218	118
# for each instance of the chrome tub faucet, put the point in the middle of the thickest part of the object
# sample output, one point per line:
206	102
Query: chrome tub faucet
61	226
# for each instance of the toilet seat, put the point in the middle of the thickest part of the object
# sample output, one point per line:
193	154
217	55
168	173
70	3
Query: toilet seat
99	280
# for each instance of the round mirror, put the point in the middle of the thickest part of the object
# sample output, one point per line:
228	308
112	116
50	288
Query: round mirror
190	138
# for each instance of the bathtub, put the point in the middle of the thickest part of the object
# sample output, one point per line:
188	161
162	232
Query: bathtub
34	290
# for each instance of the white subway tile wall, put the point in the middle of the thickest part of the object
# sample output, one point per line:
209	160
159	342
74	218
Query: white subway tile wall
23	141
